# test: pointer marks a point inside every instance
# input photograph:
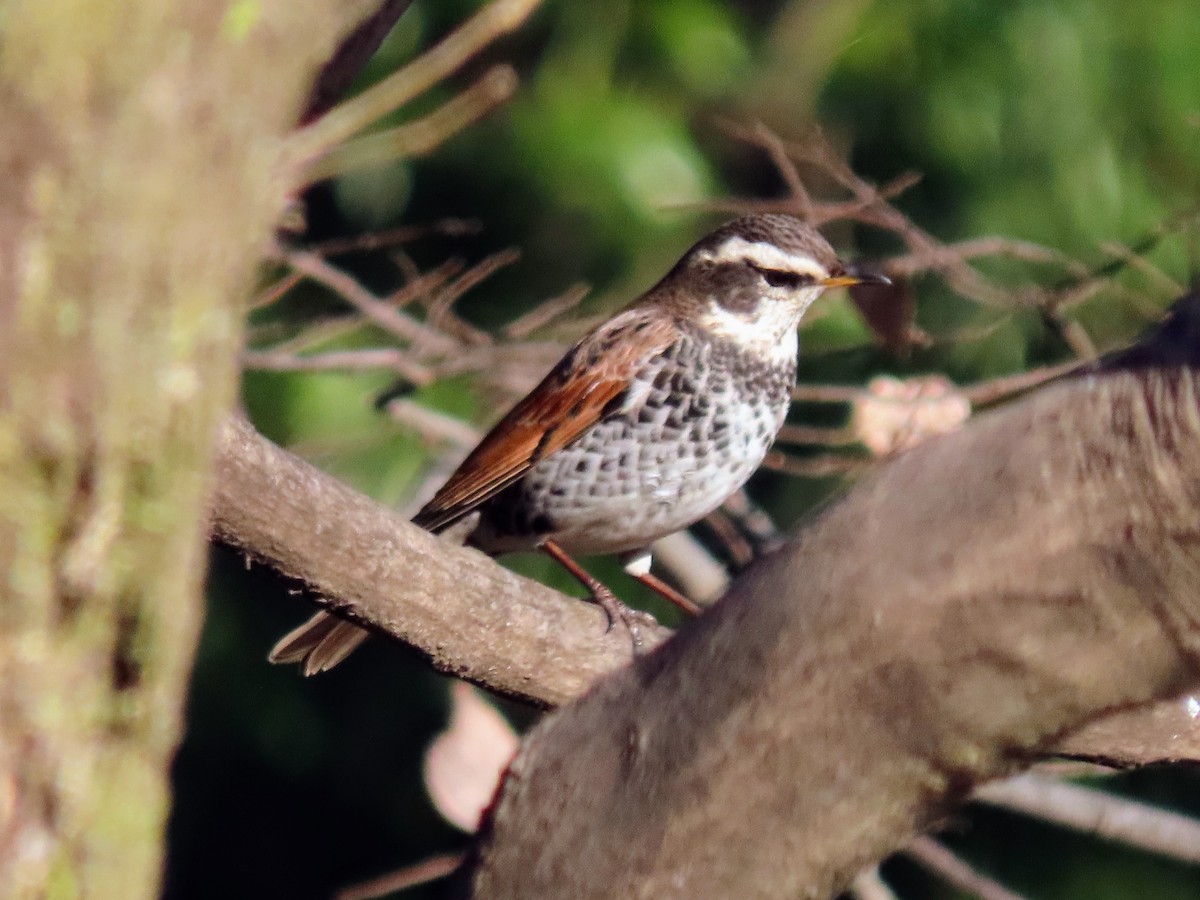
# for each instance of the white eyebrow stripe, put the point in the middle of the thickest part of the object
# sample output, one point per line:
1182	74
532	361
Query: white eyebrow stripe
763	255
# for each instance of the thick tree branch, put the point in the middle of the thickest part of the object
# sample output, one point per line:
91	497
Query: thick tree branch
971	606
941	625
268	501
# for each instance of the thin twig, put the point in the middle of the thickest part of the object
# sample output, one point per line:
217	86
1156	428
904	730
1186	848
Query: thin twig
314	334
820	437
376	240
941	861
274	291
824	465
420	284
371	359
739	551
951	254
352	116
1134	260
546	312
752	520
1100	813
825	393
378	311
869	885
985	393
439	308
422	872
432	424
419	136
775	148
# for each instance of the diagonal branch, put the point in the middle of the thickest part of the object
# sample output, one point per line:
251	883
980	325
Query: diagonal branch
940	626
1129	822
466	614
304	523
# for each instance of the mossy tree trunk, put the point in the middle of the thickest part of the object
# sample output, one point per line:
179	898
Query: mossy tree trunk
140	183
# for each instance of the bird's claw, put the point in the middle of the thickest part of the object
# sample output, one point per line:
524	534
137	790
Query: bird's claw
616	611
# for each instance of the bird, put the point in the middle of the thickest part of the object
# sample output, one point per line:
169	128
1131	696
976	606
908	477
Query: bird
644	427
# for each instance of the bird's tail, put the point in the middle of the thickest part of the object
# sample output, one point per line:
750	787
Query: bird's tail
319	644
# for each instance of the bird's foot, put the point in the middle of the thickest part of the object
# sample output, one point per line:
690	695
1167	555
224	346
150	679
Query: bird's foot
601	595
633	620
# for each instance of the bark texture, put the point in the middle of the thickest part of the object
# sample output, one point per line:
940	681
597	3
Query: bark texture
140	170
463	612
941	625
1021	589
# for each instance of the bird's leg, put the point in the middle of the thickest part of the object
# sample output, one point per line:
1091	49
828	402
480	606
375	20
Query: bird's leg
600	594
637	564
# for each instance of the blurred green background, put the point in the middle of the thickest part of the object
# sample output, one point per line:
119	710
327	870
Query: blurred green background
1068	123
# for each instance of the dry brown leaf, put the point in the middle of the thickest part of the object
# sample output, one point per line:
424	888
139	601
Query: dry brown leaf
464	764
890	311
895	414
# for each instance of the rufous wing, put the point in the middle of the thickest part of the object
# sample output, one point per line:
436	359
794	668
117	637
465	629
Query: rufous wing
587	385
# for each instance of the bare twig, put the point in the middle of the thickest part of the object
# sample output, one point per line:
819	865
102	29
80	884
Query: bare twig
770	142
943	862
376	240
402	879
356	48
1099	813
371	359
1135	260
985	393
869	885
547	312
373	308
738	550
825	393
752	520
417	137
820	466
440	311
352	116
943	256
432	424
820	437
275	290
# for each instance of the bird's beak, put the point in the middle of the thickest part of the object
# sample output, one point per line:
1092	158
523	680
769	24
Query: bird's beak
852	276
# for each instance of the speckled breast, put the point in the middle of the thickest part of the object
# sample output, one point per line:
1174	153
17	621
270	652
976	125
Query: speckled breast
697	421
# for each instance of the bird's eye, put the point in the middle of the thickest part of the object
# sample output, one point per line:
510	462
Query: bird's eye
782	278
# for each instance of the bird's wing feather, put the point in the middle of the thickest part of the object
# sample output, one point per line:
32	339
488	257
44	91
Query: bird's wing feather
585	386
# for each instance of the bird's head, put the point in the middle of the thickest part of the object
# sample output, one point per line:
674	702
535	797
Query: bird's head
753	278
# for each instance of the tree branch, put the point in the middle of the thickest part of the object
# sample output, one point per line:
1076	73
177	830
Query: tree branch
937	628
267	501
989	597
466	614
352	54
1100	813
